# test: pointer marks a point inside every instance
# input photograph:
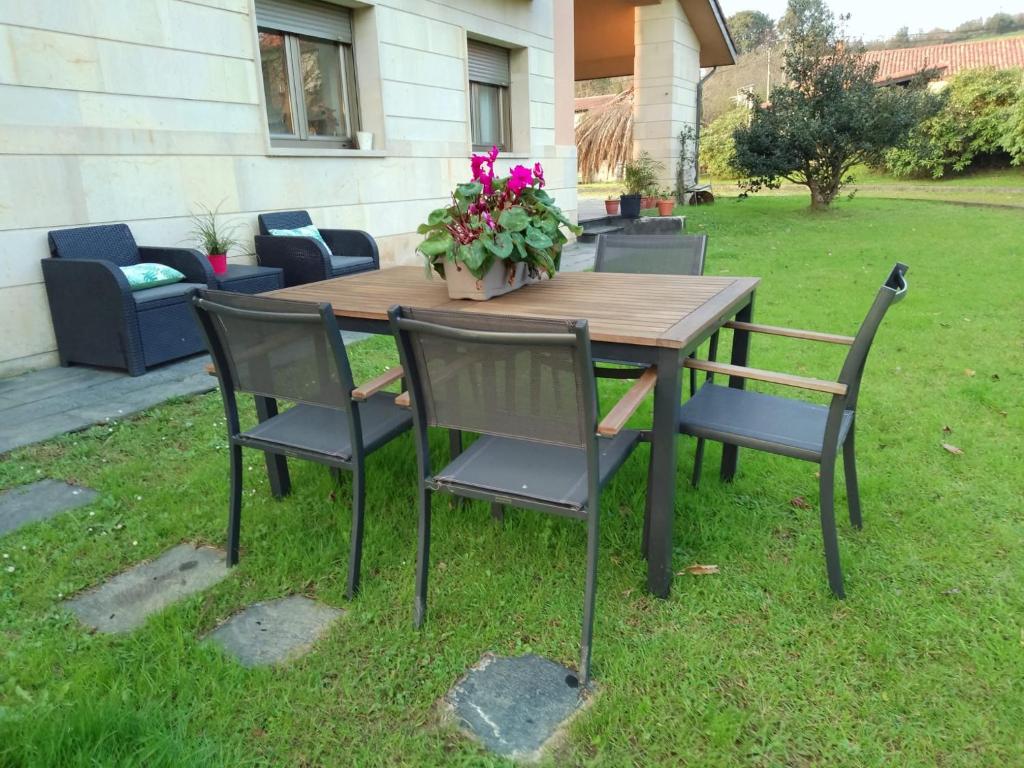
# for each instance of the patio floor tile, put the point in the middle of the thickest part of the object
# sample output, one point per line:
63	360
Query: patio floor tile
40	501
128	599
275	631
514	706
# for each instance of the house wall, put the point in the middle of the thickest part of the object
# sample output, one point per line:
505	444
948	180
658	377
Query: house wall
121	110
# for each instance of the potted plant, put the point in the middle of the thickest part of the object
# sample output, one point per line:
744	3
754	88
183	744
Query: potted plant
498	233
213	237
639	176
611	205
666	202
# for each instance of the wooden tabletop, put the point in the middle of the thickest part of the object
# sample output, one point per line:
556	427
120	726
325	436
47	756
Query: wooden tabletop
645	310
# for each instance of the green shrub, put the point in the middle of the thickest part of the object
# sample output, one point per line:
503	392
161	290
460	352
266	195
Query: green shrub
717	147
981	115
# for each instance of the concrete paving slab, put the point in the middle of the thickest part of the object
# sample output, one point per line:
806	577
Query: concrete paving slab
40	501
275	631
128	599
514	706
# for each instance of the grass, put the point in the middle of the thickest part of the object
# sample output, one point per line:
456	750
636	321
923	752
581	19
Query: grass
756	666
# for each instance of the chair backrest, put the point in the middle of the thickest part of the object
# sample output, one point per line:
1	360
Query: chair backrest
651	254
276	348
104	242
894	289
512	377
283	220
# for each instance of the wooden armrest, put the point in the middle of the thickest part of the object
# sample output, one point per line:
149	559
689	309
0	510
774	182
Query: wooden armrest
403	401
793	333
614	420
786	379
374	386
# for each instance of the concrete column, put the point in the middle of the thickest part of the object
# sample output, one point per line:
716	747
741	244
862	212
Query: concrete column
666	71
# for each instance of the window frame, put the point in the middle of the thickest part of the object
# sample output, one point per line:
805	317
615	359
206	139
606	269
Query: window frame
504	115
301	139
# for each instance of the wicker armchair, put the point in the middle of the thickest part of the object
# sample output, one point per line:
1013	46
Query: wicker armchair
305	259
99	320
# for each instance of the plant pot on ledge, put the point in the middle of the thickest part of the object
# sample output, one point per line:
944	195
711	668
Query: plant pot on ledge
219	262
647	202
630	206
666	206
611	207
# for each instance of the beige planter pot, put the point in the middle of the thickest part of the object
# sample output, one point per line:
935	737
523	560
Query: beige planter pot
496	281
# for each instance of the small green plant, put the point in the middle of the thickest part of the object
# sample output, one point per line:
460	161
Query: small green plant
211	235
640	176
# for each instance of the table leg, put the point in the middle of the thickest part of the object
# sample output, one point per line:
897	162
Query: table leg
277	466
662	477
740	353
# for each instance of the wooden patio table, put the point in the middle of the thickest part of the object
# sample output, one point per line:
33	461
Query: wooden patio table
651	319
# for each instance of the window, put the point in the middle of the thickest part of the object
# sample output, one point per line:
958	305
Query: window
308	73
489	102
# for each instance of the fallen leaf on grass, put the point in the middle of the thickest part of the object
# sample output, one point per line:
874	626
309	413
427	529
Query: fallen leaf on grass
952	449
701	570
947	429
969	372
799	502
1003	413
953	591
994	377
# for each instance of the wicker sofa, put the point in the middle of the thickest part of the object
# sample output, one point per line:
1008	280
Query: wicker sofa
306	260
99	320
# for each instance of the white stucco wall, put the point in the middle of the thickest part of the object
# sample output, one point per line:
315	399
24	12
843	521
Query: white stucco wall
124	110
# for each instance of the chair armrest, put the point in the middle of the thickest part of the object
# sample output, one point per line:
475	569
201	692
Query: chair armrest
374	386
403	400
786	379
189	261
616	418
84	277
351	242
302	259
793	333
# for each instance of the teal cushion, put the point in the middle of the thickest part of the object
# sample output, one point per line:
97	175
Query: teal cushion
309	230
148	275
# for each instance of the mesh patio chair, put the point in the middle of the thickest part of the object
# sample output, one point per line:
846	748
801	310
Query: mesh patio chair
527	387
303	260
791	427
272	348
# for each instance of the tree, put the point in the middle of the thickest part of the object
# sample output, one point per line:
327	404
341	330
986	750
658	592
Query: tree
829	116
750	30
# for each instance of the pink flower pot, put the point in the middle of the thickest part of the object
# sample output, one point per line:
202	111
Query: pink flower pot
611	207
219	262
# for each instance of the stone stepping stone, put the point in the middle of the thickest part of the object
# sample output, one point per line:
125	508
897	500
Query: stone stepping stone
40	501
514	706
275	631
128	599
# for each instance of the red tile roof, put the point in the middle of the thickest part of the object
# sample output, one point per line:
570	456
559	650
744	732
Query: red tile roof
950	58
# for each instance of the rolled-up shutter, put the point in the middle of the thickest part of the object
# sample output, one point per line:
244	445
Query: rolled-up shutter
306	17
488	63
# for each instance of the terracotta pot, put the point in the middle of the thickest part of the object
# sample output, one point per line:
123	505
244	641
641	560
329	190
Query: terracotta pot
647	202
219	262
611	207
665	207
499	279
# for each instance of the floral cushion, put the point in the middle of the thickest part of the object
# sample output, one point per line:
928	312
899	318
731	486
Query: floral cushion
149	275
309	230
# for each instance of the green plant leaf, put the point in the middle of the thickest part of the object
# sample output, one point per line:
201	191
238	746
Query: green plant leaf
471	190
436	244
500	245
438	216
520	244
514	219
535	238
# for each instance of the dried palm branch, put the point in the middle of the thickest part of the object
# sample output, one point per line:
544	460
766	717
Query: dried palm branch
604	138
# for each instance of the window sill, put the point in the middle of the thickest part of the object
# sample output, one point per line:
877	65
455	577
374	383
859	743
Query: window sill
506	155
315	152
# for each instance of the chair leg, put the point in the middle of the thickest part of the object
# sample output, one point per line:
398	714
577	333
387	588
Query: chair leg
454	451
828	527
693	381
422	560
235	504
498	512
698	462
589	596
852	488
645	541
355	556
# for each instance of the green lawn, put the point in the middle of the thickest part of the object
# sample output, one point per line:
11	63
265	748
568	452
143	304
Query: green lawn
922	665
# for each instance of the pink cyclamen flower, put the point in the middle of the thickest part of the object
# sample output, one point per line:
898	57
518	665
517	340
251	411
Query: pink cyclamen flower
538	174
489	220
520	177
